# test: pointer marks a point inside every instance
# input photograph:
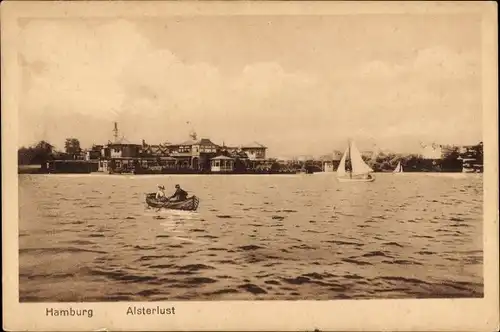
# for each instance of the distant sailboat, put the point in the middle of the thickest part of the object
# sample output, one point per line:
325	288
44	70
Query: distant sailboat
358	171
398	169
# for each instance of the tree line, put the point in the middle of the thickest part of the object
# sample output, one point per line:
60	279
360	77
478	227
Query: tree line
43	151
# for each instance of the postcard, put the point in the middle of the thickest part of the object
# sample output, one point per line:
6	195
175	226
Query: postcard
292	166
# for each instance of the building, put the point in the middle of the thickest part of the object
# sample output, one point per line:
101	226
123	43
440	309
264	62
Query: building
331	161
191	156
155	150
123	149
155	165
255	151
94	153
328	166
194	154
119	156
222	164
472	158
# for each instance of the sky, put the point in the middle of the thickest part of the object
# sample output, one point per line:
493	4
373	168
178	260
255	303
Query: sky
297	84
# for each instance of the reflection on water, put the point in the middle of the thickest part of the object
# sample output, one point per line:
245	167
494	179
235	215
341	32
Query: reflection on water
253	237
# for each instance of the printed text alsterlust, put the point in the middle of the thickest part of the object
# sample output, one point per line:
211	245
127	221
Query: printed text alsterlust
150	311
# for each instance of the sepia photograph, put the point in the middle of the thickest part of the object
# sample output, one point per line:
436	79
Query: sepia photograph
173	156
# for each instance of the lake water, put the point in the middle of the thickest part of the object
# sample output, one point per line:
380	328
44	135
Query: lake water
287	237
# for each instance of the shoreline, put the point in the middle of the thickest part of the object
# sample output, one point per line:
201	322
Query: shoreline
37	170
128	175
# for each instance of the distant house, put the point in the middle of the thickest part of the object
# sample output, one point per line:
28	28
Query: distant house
94	153
155	150
222	164
194	154
124	149
331	161
472	158
328	166
254	151
119	155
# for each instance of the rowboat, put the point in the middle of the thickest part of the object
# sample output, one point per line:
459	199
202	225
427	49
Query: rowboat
190	204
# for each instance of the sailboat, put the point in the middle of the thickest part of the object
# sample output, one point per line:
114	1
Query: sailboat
359	171
398	169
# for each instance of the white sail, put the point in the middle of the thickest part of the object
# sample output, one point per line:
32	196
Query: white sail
399	168
341	169
358	164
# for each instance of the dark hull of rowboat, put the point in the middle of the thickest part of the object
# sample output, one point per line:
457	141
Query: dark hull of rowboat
190	204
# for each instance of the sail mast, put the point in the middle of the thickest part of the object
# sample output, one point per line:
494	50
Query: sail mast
350	159
358	169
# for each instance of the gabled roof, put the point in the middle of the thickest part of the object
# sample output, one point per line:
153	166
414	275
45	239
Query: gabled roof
156	149
206	141
189	142
122	141
254	145
203	141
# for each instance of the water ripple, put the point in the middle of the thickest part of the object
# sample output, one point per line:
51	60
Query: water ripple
411	236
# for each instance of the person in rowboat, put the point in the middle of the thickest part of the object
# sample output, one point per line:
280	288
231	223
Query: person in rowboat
160	194
179	195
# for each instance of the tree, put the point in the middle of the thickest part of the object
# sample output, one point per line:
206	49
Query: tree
44	147
38	154
72	146
25	156
275	166
239	165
